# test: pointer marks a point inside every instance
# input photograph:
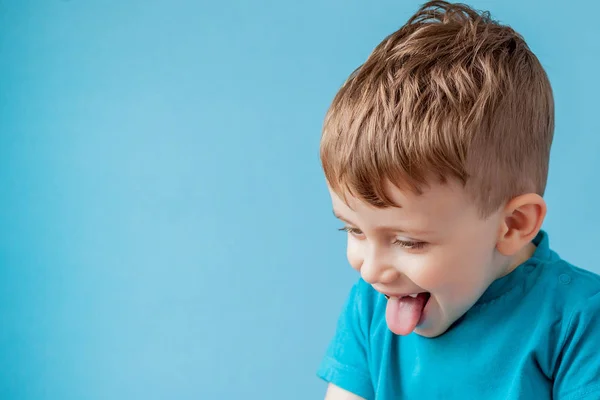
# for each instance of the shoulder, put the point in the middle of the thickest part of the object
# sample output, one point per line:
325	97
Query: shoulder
578	291
346	362
577	294
365	292
365	300
572	288
577	298
363	312
561	295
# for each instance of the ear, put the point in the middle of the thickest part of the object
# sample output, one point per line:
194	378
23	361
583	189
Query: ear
522	220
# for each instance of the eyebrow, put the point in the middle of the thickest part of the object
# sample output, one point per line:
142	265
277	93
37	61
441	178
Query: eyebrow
342	218
385	228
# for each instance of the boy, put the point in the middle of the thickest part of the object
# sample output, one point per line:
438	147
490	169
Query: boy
435	153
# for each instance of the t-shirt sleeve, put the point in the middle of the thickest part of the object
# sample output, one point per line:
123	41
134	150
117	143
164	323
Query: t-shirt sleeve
578	373
346	361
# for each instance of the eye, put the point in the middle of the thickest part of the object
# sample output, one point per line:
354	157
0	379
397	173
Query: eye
410	244
352	231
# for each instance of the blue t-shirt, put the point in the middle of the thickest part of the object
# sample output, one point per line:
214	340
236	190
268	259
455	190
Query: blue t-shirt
534	334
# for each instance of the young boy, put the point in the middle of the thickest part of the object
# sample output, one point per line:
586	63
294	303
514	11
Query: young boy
436	153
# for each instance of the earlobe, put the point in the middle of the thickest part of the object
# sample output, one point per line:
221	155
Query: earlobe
522	220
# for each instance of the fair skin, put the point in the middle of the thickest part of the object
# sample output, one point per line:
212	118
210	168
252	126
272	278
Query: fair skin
436	242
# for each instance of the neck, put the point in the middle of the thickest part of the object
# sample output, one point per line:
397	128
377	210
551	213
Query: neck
513	262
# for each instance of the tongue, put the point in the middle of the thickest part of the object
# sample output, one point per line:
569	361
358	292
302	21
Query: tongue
404	313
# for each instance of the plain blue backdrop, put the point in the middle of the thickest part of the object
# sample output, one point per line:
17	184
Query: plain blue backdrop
165	230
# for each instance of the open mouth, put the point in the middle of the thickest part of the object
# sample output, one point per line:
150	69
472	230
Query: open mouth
427	295
404	313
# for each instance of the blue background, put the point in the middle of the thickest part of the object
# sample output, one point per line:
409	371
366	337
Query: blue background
165	229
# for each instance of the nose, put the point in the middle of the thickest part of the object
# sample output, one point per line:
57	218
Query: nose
377	267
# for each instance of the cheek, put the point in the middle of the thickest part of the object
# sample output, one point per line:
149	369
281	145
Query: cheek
353	254
446	270
462	273
427	271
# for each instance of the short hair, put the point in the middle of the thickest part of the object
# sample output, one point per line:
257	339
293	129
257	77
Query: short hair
451	94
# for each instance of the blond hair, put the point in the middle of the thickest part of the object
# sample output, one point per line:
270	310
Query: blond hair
451	94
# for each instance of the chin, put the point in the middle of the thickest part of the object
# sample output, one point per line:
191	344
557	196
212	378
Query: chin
431	332
433	323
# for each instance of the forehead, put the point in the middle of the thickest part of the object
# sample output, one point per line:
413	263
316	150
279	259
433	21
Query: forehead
439	205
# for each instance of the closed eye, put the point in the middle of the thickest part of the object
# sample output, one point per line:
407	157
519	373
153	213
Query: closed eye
409	244
350	230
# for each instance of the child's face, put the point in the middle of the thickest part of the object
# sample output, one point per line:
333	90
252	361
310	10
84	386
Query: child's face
436	242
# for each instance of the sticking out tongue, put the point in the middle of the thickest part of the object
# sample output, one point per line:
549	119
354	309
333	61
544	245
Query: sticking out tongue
404	313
